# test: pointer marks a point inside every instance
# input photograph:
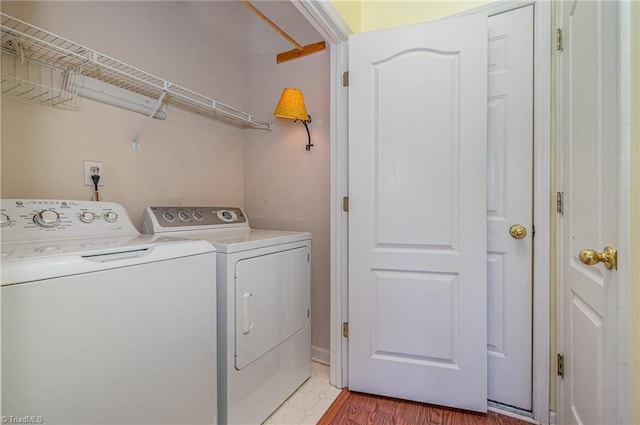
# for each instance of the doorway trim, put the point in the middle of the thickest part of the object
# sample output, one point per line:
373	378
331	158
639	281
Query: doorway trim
325	18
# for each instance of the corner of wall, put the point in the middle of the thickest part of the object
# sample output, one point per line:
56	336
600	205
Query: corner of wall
351	11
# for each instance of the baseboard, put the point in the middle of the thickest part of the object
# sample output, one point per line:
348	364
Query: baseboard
320	355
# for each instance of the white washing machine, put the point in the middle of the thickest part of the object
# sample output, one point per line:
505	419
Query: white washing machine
102	325
264	337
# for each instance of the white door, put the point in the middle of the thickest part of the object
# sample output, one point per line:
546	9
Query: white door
589	140
509	204
418	210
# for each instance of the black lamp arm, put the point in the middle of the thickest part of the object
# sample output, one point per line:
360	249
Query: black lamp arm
309	144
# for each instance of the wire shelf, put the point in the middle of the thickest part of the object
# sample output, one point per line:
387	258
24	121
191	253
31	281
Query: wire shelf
39	93
30	42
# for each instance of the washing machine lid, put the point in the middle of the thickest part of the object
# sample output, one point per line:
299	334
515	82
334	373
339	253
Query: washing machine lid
48	238
31	261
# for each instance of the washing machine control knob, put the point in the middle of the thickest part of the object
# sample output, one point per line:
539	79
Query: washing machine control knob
87	217
168	217
111	217
198	216
226	215
47	218
183	216
4	220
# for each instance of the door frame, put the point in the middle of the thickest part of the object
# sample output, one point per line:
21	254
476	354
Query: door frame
325	18
625	188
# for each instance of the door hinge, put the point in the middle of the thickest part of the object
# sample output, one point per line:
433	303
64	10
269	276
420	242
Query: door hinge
560	203
308	258
345	329
345	79
345	204
560	366
559	46
533	231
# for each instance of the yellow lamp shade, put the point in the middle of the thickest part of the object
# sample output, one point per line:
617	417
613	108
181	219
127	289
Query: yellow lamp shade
291	105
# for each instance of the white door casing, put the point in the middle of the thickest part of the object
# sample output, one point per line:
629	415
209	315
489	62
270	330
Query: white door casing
418	202
588	106
509	203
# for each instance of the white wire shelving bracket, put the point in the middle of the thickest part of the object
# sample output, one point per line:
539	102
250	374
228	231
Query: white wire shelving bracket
136	141
52	50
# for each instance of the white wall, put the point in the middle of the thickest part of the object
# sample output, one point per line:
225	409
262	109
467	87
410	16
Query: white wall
287	187
183	160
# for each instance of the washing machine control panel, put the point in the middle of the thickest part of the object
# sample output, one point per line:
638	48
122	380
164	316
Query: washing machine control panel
40	219
191	217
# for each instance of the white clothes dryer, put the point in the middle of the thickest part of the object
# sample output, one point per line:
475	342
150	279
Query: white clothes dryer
264	338
102	325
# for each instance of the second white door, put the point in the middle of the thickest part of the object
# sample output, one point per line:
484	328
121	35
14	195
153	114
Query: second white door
509	204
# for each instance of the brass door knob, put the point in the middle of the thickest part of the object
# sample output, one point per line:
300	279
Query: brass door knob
518	231
608	256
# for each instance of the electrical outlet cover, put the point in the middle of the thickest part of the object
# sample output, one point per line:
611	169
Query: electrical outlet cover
91	168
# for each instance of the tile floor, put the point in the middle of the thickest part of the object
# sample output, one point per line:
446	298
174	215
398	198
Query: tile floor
307	405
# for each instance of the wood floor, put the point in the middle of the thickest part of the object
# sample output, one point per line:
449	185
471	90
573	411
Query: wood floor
351	408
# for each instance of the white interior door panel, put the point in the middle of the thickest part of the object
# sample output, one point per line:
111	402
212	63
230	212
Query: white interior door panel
418	209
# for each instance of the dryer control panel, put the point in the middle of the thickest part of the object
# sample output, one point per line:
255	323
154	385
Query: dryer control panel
180	218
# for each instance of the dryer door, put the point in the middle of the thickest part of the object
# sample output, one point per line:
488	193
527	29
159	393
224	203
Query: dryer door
272	302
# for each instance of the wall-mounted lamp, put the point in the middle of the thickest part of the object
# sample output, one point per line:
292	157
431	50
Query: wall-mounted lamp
291	106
